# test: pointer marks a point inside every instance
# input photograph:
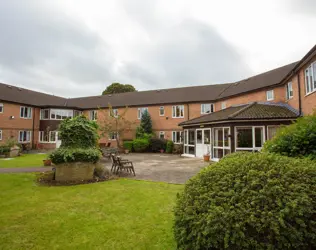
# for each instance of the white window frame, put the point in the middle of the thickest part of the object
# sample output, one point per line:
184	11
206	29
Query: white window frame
0	134
60	112
310	78
289	91
114	113
272	126
41	136
43	111
254	148
28	138
162	133
211	108
223	105
175	137
161	108
221	147
112	136
174	111
272	93
93	115
77	113
140	112
1	108
28	110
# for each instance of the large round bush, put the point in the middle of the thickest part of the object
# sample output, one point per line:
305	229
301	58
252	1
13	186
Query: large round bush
249	201
296	140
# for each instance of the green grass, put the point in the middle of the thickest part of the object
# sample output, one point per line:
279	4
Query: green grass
118	214
27	160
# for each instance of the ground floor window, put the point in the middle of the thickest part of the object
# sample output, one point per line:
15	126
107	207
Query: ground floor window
249	138
189	142
177	137
272	130
47	136
221	142
162	135
0	135
24	136
113	135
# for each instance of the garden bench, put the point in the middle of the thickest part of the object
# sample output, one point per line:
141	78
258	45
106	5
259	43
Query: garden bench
119	164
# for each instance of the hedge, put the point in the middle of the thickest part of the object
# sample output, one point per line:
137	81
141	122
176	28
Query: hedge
140	145
249	201
169	148
156	144
63	155
128	145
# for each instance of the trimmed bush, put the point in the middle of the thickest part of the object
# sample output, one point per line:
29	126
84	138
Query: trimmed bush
157	144
169	148
4	149
65	155
296	140
128	145
140	145
249	201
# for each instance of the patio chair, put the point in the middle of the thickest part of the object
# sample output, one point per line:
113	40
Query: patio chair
115	162
108	144
125	165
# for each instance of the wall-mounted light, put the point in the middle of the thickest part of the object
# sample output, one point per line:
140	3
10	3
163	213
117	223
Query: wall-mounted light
167	117
12	117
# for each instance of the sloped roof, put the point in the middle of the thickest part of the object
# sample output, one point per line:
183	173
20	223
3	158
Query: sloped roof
252	111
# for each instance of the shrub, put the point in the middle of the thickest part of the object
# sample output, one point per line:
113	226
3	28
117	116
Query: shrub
78	132
128	145
296	140
4	149
157	144
64	155
169	148
146	123
140	145
249	201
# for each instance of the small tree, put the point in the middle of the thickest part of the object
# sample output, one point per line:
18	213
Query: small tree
146	123
110	123
116	87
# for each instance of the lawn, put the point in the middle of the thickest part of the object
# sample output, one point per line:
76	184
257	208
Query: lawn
118	214
27	160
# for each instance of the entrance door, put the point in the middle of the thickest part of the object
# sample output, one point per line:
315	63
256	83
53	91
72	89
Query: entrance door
189	142
58	140
221	142
203	142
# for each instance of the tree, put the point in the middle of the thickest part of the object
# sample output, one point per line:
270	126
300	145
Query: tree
116	87
112	123
146	123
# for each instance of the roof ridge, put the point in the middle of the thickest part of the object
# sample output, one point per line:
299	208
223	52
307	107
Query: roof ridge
241	110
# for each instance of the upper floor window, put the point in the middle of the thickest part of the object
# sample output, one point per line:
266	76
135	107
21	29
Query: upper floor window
24	136
0	135
93	115
1	107
177	137
114	113
60	114
162	111
310	78
44	114
289	90
113	136
223	105
270	95
140	112
178	111
26	112
207	108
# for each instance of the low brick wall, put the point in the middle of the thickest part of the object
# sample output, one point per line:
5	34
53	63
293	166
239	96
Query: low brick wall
75	171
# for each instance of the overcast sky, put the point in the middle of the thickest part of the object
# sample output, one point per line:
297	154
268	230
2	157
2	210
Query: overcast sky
76	48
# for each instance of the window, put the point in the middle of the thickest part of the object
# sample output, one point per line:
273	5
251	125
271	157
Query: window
141	112
178	111
249	138
0	135
207	108
114	113
223	105
26	112
24	136
162	111
113	136
272	130
52	136
177	137
44	114
93	115
77	113
310	78
221	142
289	90
1	107
60	114
270	95
47	136
162	135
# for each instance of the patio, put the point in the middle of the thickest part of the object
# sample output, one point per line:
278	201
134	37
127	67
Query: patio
163	167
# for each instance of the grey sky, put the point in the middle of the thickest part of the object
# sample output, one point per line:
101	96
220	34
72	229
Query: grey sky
75	48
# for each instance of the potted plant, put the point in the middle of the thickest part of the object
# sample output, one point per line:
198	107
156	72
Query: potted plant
207	155
162	151
47	162
126	151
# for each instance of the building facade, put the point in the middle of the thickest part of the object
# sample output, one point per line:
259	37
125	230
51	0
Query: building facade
32	118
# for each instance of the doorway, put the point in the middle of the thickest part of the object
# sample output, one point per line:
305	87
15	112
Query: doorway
203	142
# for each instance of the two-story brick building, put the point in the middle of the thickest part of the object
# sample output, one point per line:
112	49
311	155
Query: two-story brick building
281	94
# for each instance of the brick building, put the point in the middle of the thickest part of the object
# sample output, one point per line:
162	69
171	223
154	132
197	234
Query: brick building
32	117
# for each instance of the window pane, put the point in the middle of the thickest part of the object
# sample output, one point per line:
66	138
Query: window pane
258	137
218	153
218	137
185	137
272	130
191	150
226	138
192	137
314	75
207	136
199	136
244	138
